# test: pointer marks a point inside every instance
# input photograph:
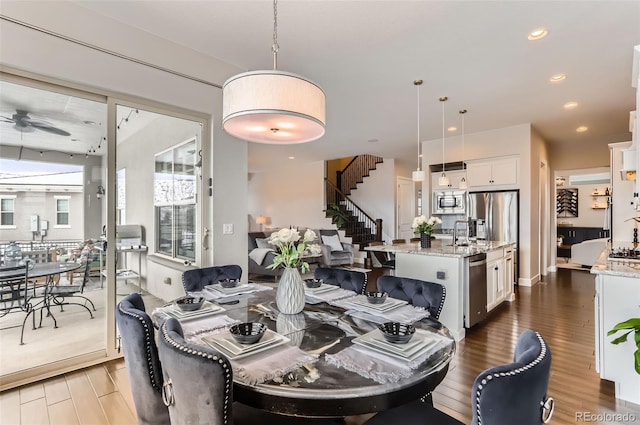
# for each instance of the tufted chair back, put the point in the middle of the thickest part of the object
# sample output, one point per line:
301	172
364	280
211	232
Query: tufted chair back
420	293
346	279
141	358
198	381
515	392
197	279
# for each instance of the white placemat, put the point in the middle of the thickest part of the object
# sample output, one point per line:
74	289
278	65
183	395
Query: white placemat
403	314
338	294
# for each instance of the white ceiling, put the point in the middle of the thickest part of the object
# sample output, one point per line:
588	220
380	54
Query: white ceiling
366	54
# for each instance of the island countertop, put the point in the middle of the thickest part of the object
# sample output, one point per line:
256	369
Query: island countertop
441	248
615	268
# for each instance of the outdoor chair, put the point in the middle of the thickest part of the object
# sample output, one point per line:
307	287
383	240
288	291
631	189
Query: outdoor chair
15	294
59	295
513	393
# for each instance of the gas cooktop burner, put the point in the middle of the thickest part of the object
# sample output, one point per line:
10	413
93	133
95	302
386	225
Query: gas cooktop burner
624	254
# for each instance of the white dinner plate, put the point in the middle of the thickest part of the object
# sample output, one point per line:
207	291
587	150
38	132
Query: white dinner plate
230	291
389	304
206	309
320	289
225	343
419	344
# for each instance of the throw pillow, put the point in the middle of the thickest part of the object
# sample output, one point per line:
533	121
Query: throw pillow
333	241
263	243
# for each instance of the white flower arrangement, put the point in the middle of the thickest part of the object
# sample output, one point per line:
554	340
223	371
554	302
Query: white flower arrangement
422	224
291	251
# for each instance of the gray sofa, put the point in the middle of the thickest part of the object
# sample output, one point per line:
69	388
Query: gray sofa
261	269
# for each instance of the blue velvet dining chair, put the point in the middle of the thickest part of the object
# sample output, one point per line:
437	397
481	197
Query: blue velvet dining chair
346	279
512	393
420	293
197	279
142	361
198	386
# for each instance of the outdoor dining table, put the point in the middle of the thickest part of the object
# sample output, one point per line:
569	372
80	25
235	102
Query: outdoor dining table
49	271
326	387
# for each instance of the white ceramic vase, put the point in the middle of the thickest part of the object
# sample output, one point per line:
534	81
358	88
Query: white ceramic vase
291	326
290	293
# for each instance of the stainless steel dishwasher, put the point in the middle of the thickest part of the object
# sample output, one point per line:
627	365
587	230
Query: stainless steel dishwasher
475	304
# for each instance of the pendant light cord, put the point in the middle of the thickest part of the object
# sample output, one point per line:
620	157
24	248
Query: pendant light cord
443	99
275	47
418	83
462	112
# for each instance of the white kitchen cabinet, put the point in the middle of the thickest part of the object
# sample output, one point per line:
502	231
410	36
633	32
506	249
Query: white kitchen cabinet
500	173
454	180
500	276
616	300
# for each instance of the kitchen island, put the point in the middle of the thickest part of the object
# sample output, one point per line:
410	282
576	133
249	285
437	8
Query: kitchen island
449	266
617	299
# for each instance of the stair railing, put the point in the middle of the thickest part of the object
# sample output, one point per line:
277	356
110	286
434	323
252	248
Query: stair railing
362	227
355	170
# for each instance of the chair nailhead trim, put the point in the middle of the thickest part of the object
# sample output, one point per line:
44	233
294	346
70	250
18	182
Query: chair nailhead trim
223	362
543	353
147	344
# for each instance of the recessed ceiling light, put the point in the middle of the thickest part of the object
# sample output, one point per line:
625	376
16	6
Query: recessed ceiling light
557	78
538	33
452	128
570	105
582	129
372	140
292	157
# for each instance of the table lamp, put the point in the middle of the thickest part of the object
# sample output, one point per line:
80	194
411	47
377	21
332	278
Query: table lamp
261	220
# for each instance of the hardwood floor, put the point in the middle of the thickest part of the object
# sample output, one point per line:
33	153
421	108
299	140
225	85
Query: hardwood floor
560	308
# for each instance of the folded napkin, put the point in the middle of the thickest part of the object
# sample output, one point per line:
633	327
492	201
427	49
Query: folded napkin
380	367
404	314
262	366
270	364
329	296
207	325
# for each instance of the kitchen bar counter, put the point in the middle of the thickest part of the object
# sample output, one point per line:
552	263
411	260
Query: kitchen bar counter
604	266
440	249
616	300
449	266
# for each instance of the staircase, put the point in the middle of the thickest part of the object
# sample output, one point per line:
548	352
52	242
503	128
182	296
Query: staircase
345	214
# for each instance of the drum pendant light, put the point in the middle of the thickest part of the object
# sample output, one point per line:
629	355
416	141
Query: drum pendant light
443	180
418	175
463	180
272	106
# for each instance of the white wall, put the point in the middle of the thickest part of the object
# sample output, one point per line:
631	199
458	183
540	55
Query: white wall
587	216
52	57
290	195
622	208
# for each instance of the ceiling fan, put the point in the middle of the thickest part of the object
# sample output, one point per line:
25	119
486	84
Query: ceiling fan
25	124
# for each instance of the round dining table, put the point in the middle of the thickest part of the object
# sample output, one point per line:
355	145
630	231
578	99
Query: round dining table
321	388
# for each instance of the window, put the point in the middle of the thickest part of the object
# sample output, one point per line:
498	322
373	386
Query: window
175	201
62	211
7	211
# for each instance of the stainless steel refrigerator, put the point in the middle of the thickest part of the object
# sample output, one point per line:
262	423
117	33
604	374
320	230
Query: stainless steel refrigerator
496	215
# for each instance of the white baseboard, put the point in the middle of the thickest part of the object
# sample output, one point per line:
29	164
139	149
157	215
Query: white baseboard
529	282
552	269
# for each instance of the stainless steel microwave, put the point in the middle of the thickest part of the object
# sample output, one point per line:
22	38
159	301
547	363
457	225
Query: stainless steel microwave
450	202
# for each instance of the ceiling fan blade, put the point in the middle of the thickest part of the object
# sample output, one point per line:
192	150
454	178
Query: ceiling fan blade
49	128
